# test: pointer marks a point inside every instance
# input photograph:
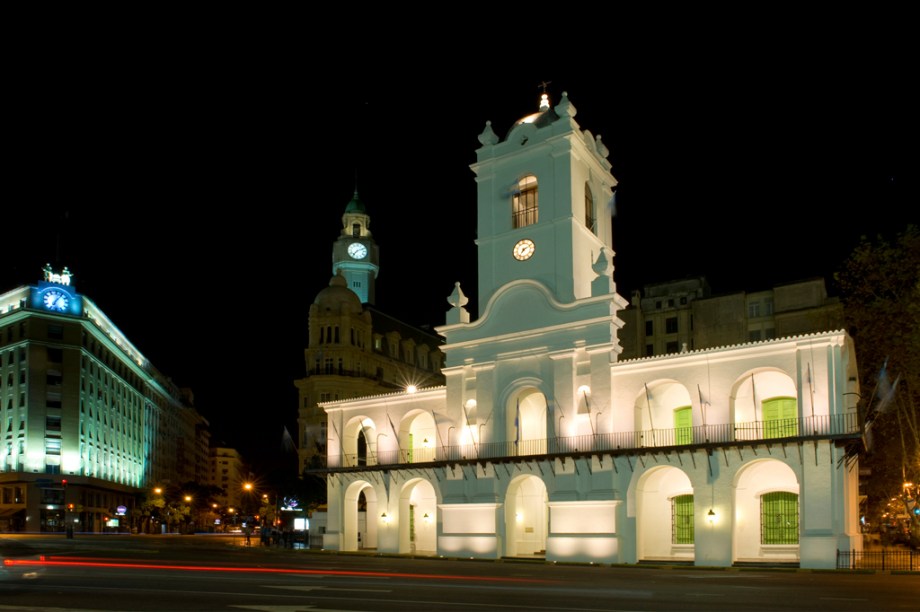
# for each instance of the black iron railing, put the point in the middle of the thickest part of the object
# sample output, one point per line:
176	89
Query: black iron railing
897	559
825	426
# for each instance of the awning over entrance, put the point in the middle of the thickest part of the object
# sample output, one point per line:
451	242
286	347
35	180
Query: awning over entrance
6	513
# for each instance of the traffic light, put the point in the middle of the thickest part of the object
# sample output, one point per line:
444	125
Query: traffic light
917	510
70	507
64	482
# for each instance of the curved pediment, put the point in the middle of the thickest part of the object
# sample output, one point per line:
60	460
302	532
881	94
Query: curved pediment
527	307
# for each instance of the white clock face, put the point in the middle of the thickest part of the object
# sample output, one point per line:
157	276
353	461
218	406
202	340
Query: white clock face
523	249
56	300
357	250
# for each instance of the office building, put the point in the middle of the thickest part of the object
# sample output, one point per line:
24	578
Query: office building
683	315
88	423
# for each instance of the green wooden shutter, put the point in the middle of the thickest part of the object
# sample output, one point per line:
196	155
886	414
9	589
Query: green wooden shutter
682	519
779	518
780	416
683	425
409	457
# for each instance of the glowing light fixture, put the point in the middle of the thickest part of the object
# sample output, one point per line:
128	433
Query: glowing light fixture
385	518
711	516
411	389
518	516
426	518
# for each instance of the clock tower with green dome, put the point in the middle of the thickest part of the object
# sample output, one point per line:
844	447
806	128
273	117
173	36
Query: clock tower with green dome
355	254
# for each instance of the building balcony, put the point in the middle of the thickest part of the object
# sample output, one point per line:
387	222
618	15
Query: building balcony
843	426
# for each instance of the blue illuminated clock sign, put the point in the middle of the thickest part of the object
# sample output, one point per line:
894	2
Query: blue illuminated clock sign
56	300
56	293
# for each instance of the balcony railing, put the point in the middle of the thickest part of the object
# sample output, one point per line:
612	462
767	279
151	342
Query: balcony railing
756	431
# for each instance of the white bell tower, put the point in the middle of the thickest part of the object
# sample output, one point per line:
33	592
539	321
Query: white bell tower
545	204
544	238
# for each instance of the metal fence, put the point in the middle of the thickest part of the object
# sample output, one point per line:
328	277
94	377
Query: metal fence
817	426
898	559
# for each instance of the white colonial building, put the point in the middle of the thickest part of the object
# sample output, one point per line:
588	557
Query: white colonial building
543	443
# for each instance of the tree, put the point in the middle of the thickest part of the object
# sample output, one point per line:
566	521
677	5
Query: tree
880	288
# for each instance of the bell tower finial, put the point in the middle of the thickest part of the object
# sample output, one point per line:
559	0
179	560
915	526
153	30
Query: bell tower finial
544	97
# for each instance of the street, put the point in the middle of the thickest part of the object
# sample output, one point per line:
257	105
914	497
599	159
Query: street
205	573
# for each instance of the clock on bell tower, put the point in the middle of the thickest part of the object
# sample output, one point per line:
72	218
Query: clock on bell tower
355	253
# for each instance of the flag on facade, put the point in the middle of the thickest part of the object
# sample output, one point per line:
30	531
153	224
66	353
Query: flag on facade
886	390
703	403
517	423
287	442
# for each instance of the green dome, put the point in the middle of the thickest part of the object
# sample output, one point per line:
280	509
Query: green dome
356	205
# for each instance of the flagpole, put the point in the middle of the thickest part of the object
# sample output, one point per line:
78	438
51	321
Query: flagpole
702	410
588	406
341	442
811	388
754	396
651	421
517	425
436	428
395	433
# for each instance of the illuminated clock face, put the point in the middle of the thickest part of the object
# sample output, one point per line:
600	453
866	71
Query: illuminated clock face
56	300
357	250
523	249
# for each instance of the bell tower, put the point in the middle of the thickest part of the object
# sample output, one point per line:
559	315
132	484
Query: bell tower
544	250
355	252
545	196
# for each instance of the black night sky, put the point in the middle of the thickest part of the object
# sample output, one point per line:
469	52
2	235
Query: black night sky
195	193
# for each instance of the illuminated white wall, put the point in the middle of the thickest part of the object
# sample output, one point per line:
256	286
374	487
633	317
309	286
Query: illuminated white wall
469	530
468	518
582	531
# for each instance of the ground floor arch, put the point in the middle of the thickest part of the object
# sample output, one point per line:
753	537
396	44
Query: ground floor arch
665	511
766	512
526	517
418	525
360	502
736	506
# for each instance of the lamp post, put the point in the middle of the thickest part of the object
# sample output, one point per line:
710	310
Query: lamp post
247	507
189	517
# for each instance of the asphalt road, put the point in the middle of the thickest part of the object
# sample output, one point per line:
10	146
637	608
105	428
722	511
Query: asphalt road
180	573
